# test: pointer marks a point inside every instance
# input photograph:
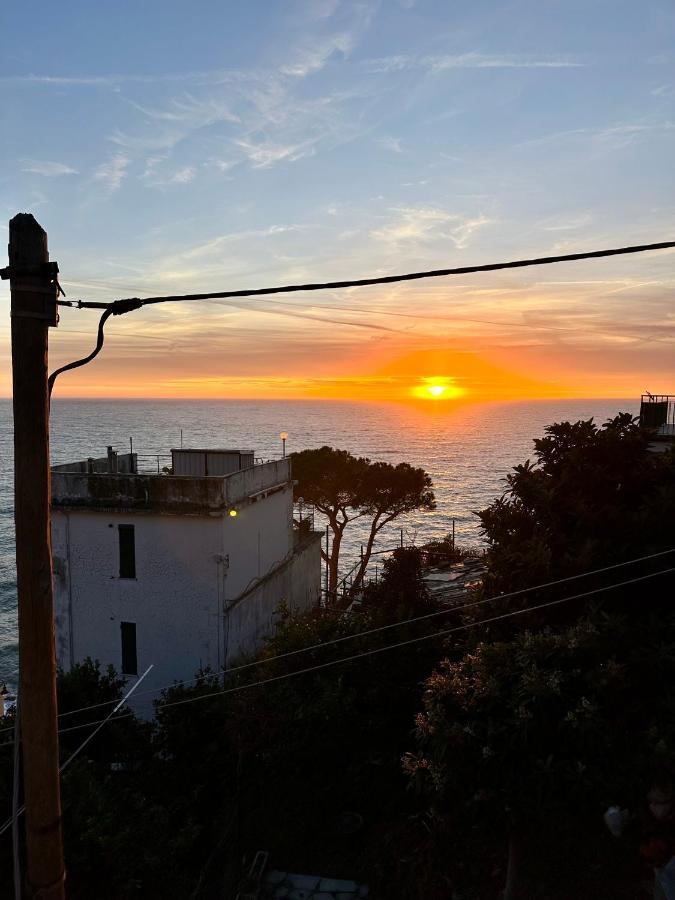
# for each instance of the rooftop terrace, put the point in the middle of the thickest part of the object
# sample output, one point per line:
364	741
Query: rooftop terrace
199	482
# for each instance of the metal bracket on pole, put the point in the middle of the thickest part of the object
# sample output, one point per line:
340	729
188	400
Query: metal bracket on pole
42	283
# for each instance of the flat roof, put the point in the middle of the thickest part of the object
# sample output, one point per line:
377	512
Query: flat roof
207	450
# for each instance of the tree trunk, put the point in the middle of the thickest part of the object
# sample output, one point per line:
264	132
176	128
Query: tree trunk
333	561
361	573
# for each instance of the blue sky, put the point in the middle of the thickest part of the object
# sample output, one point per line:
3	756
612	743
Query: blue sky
173	147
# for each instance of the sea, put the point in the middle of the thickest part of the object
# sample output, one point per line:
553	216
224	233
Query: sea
467	448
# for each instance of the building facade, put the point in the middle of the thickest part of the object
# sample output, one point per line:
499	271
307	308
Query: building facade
181	571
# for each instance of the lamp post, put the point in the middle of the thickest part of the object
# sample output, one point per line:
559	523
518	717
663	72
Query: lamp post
283	435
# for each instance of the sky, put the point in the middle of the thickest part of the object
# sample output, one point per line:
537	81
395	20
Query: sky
172	147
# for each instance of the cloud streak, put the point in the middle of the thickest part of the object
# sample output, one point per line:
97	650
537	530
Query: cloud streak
473	60
47	169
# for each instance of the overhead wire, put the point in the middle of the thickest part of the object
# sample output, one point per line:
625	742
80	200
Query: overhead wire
392	279
426	637
360	634
360	309
120	307
370	652
16	812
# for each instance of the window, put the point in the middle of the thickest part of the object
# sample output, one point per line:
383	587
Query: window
129	660
127	551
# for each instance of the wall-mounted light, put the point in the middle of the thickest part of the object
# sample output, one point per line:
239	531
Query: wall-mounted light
233	513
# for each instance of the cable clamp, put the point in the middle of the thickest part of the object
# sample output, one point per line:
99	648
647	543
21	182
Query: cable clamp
119	307
46	270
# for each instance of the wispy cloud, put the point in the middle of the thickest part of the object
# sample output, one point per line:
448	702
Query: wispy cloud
190	109
424	223
113	79
215	244
390	143
566	223
265	154
48	169
471	60
112	173
315	56
613	136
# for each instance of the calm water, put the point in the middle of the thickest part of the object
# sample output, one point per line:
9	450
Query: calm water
466	449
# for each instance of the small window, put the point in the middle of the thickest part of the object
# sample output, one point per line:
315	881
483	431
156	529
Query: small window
129	659
127	551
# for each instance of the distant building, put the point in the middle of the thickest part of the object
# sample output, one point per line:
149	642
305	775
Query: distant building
183	570
657	412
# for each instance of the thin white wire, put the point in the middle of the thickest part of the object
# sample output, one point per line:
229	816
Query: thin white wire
426	637
17	812
372	652
380	628
124	699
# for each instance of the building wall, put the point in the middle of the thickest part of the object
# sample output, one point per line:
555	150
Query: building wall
257	539
296	583
175	599
188	568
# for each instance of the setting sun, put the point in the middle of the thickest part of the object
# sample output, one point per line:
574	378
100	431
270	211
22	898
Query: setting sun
437	389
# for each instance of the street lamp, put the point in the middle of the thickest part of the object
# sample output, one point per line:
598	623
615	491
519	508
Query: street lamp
283	435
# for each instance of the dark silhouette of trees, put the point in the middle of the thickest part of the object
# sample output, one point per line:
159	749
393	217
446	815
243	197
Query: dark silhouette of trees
533	723
594	496
347	488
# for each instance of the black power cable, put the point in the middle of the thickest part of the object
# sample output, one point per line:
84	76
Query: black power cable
119	307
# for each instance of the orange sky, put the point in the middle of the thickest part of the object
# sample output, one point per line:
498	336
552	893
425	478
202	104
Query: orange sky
495	338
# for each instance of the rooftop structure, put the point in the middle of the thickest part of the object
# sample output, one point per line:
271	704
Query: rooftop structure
183	569
657	412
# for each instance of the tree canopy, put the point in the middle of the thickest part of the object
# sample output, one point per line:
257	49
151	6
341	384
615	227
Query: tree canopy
347	488
594	496
533	725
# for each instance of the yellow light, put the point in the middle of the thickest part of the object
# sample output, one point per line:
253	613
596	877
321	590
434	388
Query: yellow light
437	389
233	513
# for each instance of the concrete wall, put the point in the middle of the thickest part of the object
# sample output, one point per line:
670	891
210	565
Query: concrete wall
166	493
188	569
297	583
257	539
175	600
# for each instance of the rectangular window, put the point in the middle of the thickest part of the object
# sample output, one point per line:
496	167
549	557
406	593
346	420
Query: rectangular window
127	551
129	660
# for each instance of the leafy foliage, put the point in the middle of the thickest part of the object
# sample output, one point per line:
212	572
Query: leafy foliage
346	488
594	496
535	724
401	593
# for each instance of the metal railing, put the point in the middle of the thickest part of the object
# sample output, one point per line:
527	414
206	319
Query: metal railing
303	515
153	463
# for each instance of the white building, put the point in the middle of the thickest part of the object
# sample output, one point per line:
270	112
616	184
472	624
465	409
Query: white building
182	570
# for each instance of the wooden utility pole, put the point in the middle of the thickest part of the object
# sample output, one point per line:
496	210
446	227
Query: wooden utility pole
34	292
